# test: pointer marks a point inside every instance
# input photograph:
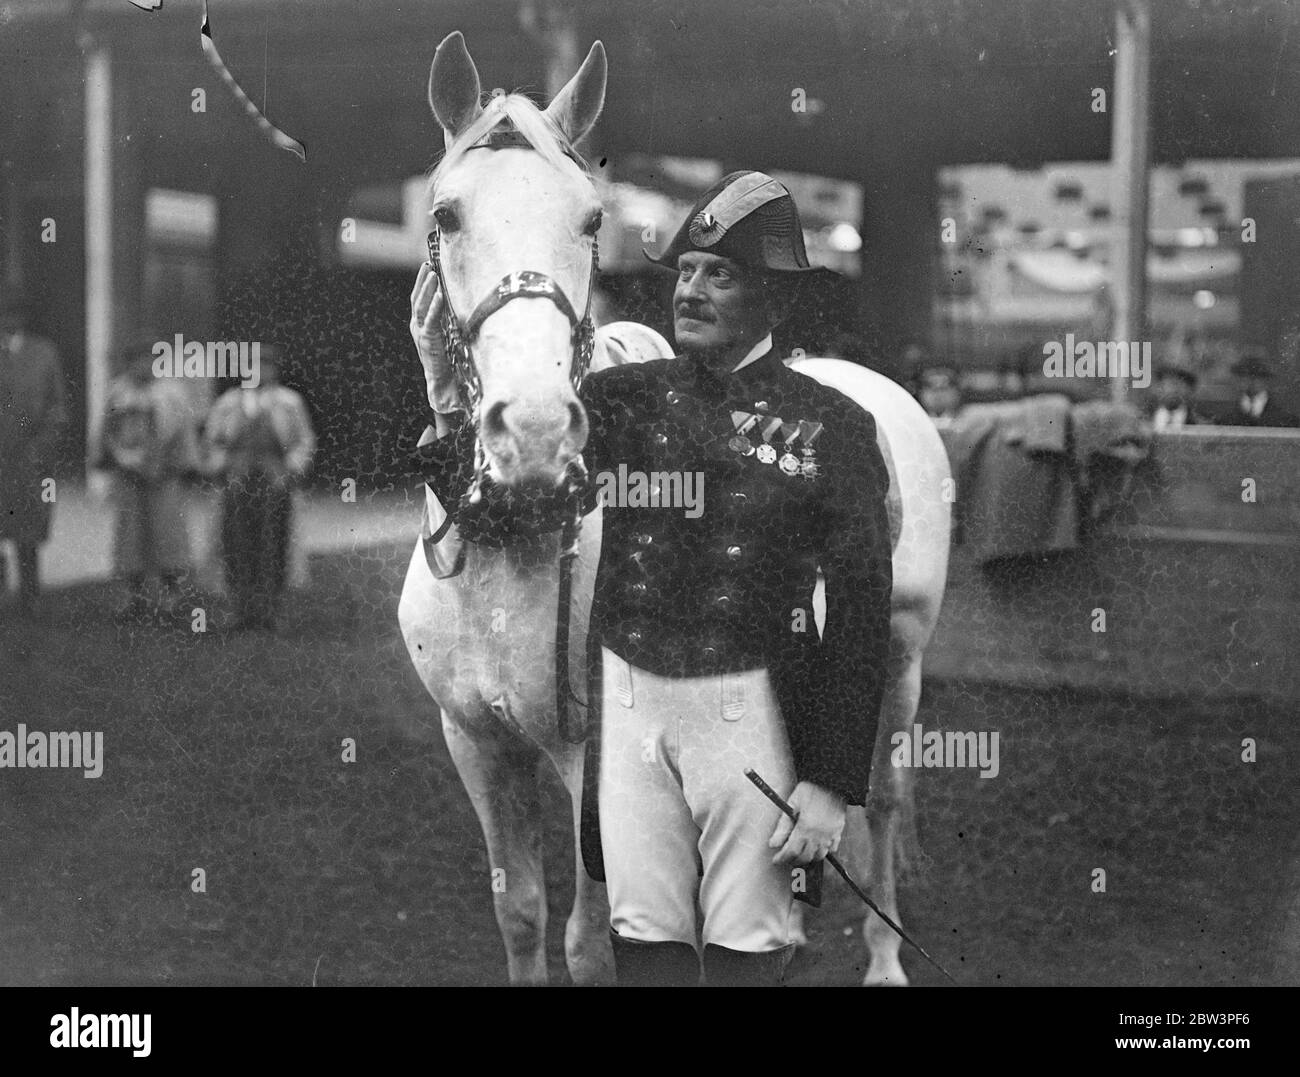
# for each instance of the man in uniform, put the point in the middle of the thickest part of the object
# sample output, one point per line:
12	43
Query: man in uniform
705	647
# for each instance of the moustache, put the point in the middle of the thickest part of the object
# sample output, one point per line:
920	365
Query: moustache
698	313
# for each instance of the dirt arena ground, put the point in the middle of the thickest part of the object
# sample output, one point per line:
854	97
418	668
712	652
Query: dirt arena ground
222	752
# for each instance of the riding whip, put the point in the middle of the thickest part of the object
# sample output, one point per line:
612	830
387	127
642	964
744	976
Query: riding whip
831	859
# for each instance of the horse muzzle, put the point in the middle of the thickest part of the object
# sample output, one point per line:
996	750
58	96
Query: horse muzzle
530	443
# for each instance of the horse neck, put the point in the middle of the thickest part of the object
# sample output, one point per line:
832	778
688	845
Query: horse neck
524	558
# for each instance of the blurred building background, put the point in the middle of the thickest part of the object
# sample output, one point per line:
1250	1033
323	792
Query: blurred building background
887	117
1032	252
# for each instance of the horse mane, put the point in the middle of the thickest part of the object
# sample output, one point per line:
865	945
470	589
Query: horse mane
541	132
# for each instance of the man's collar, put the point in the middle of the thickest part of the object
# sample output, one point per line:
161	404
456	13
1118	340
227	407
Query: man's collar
758	363
761	348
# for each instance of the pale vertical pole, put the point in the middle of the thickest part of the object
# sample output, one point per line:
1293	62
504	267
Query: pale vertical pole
552	24
100	325
1130	165
564	55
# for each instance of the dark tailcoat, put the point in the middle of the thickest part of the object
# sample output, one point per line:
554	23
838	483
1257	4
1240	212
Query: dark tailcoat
731	588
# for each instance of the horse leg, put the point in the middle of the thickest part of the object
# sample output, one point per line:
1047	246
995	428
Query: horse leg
499	771
889	801
587	951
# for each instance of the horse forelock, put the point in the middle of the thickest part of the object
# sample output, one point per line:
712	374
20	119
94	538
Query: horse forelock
541	132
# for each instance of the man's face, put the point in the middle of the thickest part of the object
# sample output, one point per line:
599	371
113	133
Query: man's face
719	304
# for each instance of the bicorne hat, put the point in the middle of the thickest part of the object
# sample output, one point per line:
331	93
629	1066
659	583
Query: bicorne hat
749	217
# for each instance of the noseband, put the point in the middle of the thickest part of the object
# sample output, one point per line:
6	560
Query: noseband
524	284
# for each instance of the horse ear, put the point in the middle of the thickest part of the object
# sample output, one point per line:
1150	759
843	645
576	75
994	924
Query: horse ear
577	106
454	88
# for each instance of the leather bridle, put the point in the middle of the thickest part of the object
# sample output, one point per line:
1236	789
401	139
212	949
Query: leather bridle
523	284
458	343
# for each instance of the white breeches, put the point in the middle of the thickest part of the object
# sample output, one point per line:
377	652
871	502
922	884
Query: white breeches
681	825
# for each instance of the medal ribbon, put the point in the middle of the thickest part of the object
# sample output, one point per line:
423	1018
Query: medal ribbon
810	432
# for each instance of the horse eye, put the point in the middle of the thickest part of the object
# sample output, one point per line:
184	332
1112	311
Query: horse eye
446	218
594	222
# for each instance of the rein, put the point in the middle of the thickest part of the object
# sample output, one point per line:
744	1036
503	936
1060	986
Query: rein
458	343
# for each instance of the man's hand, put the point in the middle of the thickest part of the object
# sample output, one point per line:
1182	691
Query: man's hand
426	332
818	831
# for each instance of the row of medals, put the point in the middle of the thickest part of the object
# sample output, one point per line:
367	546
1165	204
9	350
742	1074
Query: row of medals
766	426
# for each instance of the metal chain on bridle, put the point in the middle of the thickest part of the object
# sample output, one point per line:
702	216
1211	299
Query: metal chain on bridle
458	345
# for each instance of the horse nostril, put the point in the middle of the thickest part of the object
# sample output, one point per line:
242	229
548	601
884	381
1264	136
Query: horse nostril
494	423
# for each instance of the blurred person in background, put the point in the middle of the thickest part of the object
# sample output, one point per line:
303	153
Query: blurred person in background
939	391
149	444
1254	405
915	359
32	420
1014	372
1174	398
260	442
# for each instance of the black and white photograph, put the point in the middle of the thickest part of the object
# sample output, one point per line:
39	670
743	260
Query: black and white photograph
648	493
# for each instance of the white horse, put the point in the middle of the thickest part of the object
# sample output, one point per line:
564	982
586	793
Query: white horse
920	516
483	641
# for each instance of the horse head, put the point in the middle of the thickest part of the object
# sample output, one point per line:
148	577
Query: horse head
516	216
